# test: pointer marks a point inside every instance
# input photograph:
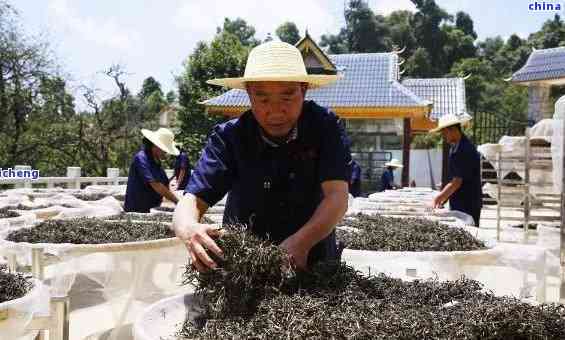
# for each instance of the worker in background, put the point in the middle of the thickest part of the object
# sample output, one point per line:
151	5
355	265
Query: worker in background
355	181
464	190
147	181
387	178
182	169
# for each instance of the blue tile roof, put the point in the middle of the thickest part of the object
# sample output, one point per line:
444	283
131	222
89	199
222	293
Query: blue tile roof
548	64
369	80
447	94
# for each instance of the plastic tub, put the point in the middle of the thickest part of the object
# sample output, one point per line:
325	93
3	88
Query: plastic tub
163	319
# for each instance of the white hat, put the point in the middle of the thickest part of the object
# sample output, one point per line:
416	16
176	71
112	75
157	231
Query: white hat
163	139
275	61
394	163
450	120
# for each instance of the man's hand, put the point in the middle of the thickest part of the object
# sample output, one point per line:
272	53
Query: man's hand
297	251
437	203
197	239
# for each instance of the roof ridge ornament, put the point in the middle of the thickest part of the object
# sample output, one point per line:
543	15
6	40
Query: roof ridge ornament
396	51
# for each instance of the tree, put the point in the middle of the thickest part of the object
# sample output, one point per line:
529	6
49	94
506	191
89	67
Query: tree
171	97
401	32
552	34
363	32
149	86
427	27
239	27
464	23
418	65
225	56
288	32
29	90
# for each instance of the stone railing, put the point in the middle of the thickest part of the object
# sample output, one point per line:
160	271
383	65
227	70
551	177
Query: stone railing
73	180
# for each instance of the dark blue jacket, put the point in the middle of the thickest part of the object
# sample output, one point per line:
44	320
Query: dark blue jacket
140	196
387	180
182	162
274	190
465	162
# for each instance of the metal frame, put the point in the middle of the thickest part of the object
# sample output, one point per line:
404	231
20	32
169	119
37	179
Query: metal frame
57	322
535	157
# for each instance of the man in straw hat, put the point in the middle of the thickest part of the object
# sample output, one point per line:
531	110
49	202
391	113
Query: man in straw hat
464	189
147	181
387	178
284	164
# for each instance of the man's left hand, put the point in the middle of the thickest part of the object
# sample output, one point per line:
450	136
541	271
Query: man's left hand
297	251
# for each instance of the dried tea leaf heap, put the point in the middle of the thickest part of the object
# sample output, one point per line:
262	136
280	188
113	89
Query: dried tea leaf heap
381	233
7	213
13	285
91	231
247	299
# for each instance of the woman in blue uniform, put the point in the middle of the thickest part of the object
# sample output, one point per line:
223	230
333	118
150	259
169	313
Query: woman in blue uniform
387	178
464	189
182	169
147	181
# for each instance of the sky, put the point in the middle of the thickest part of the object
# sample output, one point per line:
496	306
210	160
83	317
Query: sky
154	37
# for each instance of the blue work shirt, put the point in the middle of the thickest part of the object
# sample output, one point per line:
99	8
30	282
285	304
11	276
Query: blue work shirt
140	196
465	162
182	162
355	181
387	180
274	189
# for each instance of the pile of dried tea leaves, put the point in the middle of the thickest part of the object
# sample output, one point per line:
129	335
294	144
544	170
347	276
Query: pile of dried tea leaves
157	217
37	207
7	213
253	295
249	271
13	286
381	233
120	197
90	197
87	230
165	208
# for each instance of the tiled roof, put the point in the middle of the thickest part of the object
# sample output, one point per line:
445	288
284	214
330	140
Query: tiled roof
369	80
447	94
548	64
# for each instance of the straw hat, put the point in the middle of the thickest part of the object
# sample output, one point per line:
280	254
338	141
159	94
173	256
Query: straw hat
395	163
450	120
163	139
275	61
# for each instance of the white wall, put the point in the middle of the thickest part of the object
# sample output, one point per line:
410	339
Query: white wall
421	162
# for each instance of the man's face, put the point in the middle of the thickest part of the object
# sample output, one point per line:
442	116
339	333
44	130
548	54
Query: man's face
450	134
276	105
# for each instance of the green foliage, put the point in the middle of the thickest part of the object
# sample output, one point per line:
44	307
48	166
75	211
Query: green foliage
363	32
426	141
245	33
225	56
288	32
150	86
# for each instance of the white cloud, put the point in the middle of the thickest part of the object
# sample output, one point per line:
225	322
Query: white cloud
202	17
106	32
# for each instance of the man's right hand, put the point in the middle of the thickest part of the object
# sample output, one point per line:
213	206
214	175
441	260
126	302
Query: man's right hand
198	238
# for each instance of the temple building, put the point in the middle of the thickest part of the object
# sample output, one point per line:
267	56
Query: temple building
381	112
544	69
